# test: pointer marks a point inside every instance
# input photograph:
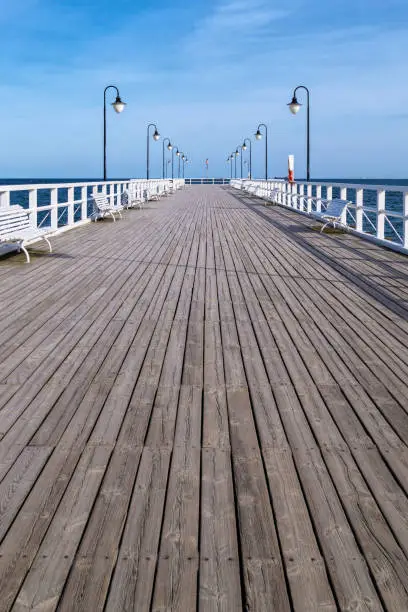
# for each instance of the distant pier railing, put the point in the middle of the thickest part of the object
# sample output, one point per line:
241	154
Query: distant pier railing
207	181
60	206
376	212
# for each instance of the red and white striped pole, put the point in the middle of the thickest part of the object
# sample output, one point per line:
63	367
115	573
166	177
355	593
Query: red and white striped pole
291	168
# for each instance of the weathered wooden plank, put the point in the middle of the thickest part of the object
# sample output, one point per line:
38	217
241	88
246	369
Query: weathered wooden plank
132	583
220	585
45	580
90	574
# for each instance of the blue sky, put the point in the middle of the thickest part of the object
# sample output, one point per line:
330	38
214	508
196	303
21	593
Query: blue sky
207	72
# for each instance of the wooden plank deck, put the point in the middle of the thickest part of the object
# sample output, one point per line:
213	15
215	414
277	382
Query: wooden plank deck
204	407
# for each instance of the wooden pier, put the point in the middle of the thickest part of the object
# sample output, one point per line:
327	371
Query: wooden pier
204	406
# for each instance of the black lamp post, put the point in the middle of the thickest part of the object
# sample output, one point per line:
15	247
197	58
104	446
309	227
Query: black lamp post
244	148
185	161
118	106
229	161
234	157
258	136
156	137
172	161
169	146
179	154
237	153
294	108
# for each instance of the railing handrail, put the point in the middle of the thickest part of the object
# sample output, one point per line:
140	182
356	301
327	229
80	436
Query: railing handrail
367	219
63	207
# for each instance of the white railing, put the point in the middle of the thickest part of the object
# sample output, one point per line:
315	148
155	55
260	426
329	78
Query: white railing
61	206
376	212
207	181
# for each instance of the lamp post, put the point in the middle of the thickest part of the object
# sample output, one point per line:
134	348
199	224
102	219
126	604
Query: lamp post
294	108
167	165
156	137
258	136
179	154
185	161
229	160
234	157
169	146
172	161
237	153
118	106
244	148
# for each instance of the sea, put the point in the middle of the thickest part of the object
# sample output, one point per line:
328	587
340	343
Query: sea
393	199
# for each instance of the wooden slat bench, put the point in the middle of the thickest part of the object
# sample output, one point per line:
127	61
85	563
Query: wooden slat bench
17	228
103	207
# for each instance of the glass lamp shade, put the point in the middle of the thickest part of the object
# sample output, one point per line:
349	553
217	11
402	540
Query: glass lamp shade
244	147
156	135
237	152
183	158
178	153
294	106
118	105
169	146
258	135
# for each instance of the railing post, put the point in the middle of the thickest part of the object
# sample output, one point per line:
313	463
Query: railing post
300	204
343	196
70	206
84	203
54	209
4	199
309	201
405	220
32	203
380	213
359	209
319	198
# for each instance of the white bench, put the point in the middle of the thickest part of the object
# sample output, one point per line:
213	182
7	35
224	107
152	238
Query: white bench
333	214
102	207
16	227
133	197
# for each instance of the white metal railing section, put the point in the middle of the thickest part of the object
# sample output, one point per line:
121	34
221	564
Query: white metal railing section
60	206
375	212
207	181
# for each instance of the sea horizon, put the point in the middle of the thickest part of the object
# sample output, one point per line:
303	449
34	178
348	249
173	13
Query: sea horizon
362	180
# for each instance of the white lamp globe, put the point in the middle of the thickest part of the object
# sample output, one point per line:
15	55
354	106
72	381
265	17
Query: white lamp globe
118	105
169	146
258	135
294	106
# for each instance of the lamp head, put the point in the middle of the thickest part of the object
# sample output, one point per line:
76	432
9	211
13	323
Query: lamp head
118	105
169	146
258	134
178	153
237	152
294	106
156	135
244	147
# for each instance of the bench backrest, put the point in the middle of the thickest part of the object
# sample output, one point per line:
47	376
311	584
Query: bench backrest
335	208
13	219
101	201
